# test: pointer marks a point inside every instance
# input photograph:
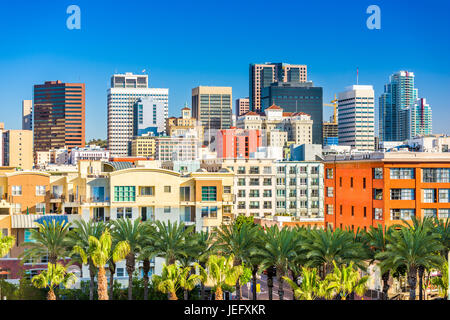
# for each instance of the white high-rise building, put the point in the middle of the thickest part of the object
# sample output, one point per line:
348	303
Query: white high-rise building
356	118
27	115
125	91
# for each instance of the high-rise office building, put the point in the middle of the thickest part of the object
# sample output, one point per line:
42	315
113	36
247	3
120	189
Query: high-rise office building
149	116
263	75
356	118
330	133
242	106
59	115
421	120
16	148
27	114
395	103
126	89
297	97
212	106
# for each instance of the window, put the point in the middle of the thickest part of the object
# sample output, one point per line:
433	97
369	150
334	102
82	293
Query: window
429	213
281	193
292	182
267	204
241	204
329	192
17	208
267	170
127	212
340	181
281	204
330	209
254	181
241	170
254	193
16	190
364	183
209	193
241	193
209	212
340	209
125	193
226	189
329	173
121	272
402	214
402	173
185	193
267	181
27	236
402	194
40	190
436	175
254	170
291	170
241	182
267	193
167	209
281	170
281	181
365	212
378	173
167	189
429	195
147	191
292	193
226	209
351	182
444	213
444	195
353	211
293	205
254	204
40	208
378	194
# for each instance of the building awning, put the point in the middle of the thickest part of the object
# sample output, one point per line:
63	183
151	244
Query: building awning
25	221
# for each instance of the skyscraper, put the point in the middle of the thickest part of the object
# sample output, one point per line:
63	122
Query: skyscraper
149	116
297	97
27	115
212	106
263	75
395	103
59	115
126	89
421	120
356	119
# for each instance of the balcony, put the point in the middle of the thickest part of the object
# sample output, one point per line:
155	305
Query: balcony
57	198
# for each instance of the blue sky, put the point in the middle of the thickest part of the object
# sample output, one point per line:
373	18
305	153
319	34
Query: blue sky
189	43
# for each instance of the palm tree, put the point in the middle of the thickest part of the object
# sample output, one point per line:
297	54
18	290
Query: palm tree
278	250
376	240
346	280
80	236
169	240
255	259
100	251
220	271
311	287
326	246
55	275
411	248
49	239
145	255
132	233
188	281
236	239
442	281
6	243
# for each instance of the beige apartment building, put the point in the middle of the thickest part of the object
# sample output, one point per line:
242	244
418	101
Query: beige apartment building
16	148
144	146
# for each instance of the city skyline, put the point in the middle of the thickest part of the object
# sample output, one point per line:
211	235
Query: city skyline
92	60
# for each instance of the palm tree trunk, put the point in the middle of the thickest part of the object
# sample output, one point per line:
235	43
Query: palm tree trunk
91	280
385	278
102	284
219	293
146	267
280	286
254	271
186	294
130	262
173	296
270	285
294	278
421	270
412	281
112	271
52	258
51	294
202	286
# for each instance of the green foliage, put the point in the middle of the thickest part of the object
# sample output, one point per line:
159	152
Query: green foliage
99	142
241	219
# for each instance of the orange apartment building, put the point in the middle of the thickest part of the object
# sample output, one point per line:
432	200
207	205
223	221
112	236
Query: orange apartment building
386	188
